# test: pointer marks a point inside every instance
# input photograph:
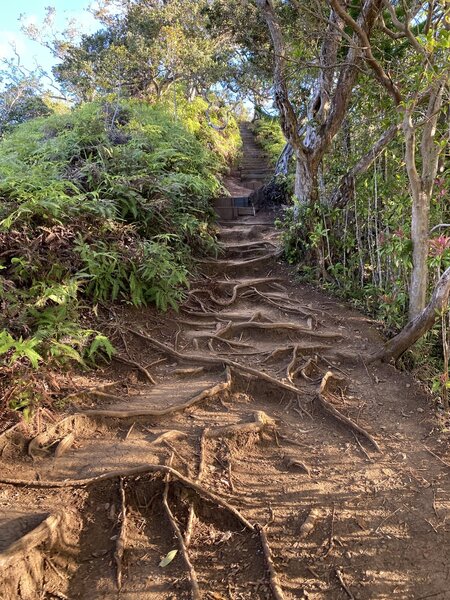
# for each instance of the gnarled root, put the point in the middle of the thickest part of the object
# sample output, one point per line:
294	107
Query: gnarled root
274	581
328	381
121	538
23	564
183	548
135	472
237	286
260	423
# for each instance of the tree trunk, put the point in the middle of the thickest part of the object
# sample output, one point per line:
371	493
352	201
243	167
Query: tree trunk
419	326
306	180
419	235
282	166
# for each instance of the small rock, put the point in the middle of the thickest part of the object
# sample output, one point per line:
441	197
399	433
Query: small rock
408	385
420	410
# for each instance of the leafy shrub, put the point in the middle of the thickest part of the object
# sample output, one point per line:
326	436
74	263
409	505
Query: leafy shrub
270	136
107	202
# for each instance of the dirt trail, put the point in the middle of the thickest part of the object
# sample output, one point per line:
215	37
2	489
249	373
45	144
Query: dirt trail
267	453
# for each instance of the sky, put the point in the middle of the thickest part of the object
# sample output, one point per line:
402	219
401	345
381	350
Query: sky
34	11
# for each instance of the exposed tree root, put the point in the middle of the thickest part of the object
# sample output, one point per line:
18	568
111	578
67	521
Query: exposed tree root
307	370
227	316
247	245
271	300
293	462
330	409
234	294
310	522
168	436
290	369
134	472
213	360
274	581
189	372
124	414
37	536
88	391
230	264
136	365
121	538
260	423
234	328
218	338
65	444
47	438
183	549
201	467
59	431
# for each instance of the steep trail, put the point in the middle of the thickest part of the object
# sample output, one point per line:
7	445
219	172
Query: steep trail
344	472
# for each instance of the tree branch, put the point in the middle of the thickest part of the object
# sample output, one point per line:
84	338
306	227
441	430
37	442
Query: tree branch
419	326
343	193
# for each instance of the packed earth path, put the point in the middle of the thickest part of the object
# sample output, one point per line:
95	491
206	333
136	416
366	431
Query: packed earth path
242	448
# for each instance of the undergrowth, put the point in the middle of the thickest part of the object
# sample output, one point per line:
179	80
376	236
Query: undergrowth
108	202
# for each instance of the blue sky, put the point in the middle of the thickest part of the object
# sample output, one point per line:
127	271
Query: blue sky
30	51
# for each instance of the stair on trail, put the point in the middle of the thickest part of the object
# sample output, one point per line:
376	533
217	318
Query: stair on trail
248	470
117	434
245	179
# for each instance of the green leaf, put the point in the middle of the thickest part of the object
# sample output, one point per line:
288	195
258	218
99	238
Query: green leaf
101	342
168	558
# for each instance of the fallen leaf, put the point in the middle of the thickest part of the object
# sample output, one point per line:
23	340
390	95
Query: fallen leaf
168	558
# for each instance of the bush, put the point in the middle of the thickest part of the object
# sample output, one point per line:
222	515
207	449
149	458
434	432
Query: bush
107	202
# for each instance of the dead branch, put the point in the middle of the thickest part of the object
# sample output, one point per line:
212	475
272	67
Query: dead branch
344	586
273	576
329	408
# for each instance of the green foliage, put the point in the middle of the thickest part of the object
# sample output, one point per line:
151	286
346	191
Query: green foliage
270	136
109	202
363	252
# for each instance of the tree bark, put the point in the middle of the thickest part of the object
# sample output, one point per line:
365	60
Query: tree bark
282	166
419	326
306	187
421	191
329	104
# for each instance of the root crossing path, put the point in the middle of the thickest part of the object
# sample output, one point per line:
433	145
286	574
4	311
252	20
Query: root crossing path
239	449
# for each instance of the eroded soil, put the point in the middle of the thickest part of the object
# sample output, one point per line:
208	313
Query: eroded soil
347	476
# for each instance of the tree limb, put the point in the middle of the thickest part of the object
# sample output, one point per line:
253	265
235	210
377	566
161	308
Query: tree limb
419	326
